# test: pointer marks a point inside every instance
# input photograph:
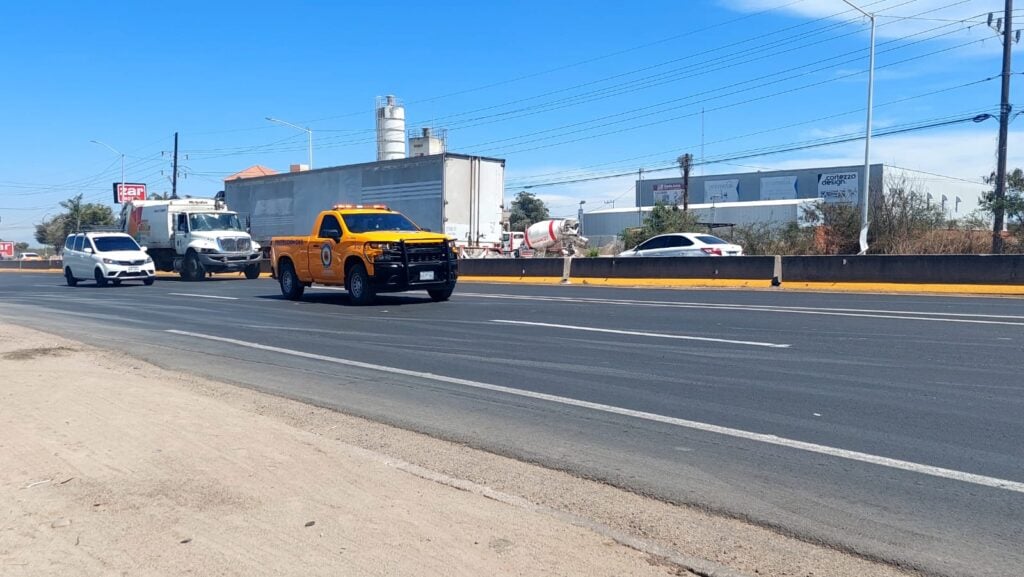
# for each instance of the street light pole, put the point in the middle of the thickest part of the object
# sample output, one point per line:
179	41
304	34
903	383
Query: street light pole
866	186
117	152
309	134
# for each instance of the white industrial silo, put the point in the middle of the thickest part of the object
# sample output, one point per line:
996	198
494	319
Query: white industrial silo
390	128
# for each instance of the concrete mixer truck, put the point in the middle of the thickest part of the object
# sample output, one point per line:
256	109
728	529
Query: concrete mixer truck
555	236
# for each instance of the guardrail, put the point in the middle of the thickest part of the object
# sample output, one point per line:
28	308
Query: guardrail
907	269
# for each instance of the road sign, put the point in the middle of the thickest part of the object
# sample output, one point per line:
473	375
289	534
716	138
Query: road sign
6	249
124	192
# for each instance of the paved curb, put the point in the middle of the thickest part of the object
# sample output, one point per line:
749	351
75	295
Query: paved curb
952	289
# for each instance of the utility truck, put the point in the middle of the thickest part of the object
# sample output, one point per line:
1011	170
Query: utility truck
367	249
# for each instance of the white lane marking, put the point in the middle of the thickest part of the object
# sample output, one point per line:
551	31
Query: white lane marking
203	296
897	315
695	425
644	334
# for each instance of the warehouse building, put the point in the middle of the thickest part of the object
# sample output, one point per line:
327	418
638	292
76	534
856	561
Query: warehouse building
774	197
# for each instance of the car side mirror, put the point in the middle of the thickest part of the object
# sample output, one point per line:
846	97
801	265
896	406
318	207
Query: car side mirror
333	234
87	250
144	249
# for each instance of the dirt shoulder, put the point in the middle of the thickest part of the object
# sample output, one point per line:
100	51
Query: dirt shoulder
109	465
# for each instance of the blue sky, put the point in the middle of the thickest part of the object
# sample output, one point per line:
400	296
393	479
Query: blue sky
561	89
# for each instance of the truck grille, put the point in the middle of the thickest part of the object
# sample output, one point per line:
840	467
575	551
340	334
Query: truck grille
433	252
235	245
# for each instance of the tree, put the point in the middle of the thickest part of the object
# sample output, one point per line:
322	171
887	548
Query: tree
663	219
77	215
1013	201
21	246
526	210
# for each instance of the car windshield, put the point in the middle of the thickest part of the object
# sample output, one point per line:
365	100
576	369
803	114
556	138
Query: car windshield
708	239
377	221
214	221
112	243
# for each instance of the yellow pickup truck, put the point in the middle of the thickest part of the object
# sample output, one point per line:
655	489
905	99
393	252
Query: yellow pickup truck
368	250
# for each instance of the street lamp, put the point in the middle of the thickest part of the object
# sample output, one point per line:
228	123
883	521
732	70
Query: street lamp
865	188
308	131
117	152
579	216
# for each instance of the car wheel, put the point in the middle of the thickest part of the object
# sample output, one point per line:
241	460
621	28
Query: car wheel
252	271
116	282
149	281
100	279
357	283
291	287
72	281
192	269
441	294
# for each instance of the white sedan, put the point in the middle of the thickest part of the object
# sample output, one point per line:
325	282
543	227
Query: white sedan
684	244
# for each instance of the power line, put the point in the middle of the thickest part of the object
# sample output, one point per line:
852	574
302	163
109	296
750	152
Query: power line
786	148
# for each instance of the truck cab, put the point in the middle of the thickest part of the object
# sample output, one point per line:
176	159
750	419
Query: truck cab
368	250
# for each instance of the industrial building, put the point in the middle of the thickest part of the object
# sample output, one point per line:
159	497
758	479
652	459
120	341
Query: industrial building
457	194
737	199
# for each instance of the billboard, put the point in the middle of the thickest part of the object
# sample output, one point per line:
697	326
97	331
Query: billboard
670	193
6	249
778	187
838	187
124	192
722	190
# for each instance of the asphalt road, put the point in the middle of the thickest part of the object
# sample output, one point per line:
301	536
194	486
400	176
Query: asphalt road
886	425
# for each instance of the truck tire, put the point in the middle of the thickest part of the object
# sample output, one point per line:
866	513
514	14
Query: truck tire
357	283
291	287
72	281
252	271
441	294
191	268
100	279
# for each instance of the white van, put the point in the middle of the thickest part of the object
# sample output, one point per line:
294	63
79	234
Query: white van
106	257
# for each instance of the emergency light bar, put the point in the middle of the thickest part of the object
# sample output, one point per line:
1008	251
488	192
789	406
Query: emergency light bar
364	206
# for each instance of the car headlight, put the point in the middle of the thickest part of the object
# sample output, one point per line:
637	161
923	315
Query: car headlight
149	260
109	261
375	251
208	250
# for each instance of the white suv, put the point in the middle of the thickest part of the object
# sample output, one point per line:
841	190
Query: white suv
106	257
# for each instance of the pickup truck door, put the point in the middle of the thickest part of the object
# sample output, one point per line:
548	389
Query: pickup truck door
323	252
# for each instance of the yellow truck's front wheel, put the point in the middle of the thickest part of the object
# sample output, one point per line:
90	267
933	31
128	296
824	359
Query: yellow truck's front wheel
357	283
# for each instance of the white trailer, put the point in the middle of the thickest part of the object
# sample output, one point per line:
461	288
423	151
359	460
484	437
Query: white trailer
456	194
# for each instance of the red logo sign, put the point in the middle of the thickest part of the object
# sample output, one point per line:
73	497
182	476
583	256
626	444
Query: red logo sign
129	191
7	249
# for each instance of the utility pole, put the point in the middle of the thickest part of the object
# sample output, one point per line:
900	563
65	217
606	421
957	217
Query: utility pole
639	198
174	171
1004	122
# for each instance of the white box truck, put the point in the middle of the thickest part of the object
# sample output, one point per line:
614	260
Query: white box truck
192	236
456	194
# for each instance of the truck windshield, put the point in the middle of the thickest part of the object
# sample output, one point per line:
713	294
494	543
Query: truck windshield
112	243
214	221
377	221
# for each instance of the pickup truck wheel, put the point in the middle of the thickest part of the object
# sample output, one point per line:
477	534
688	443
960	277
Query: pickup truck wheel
100	279
291	287
192	269
72	281
441	294
252	271
357	283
